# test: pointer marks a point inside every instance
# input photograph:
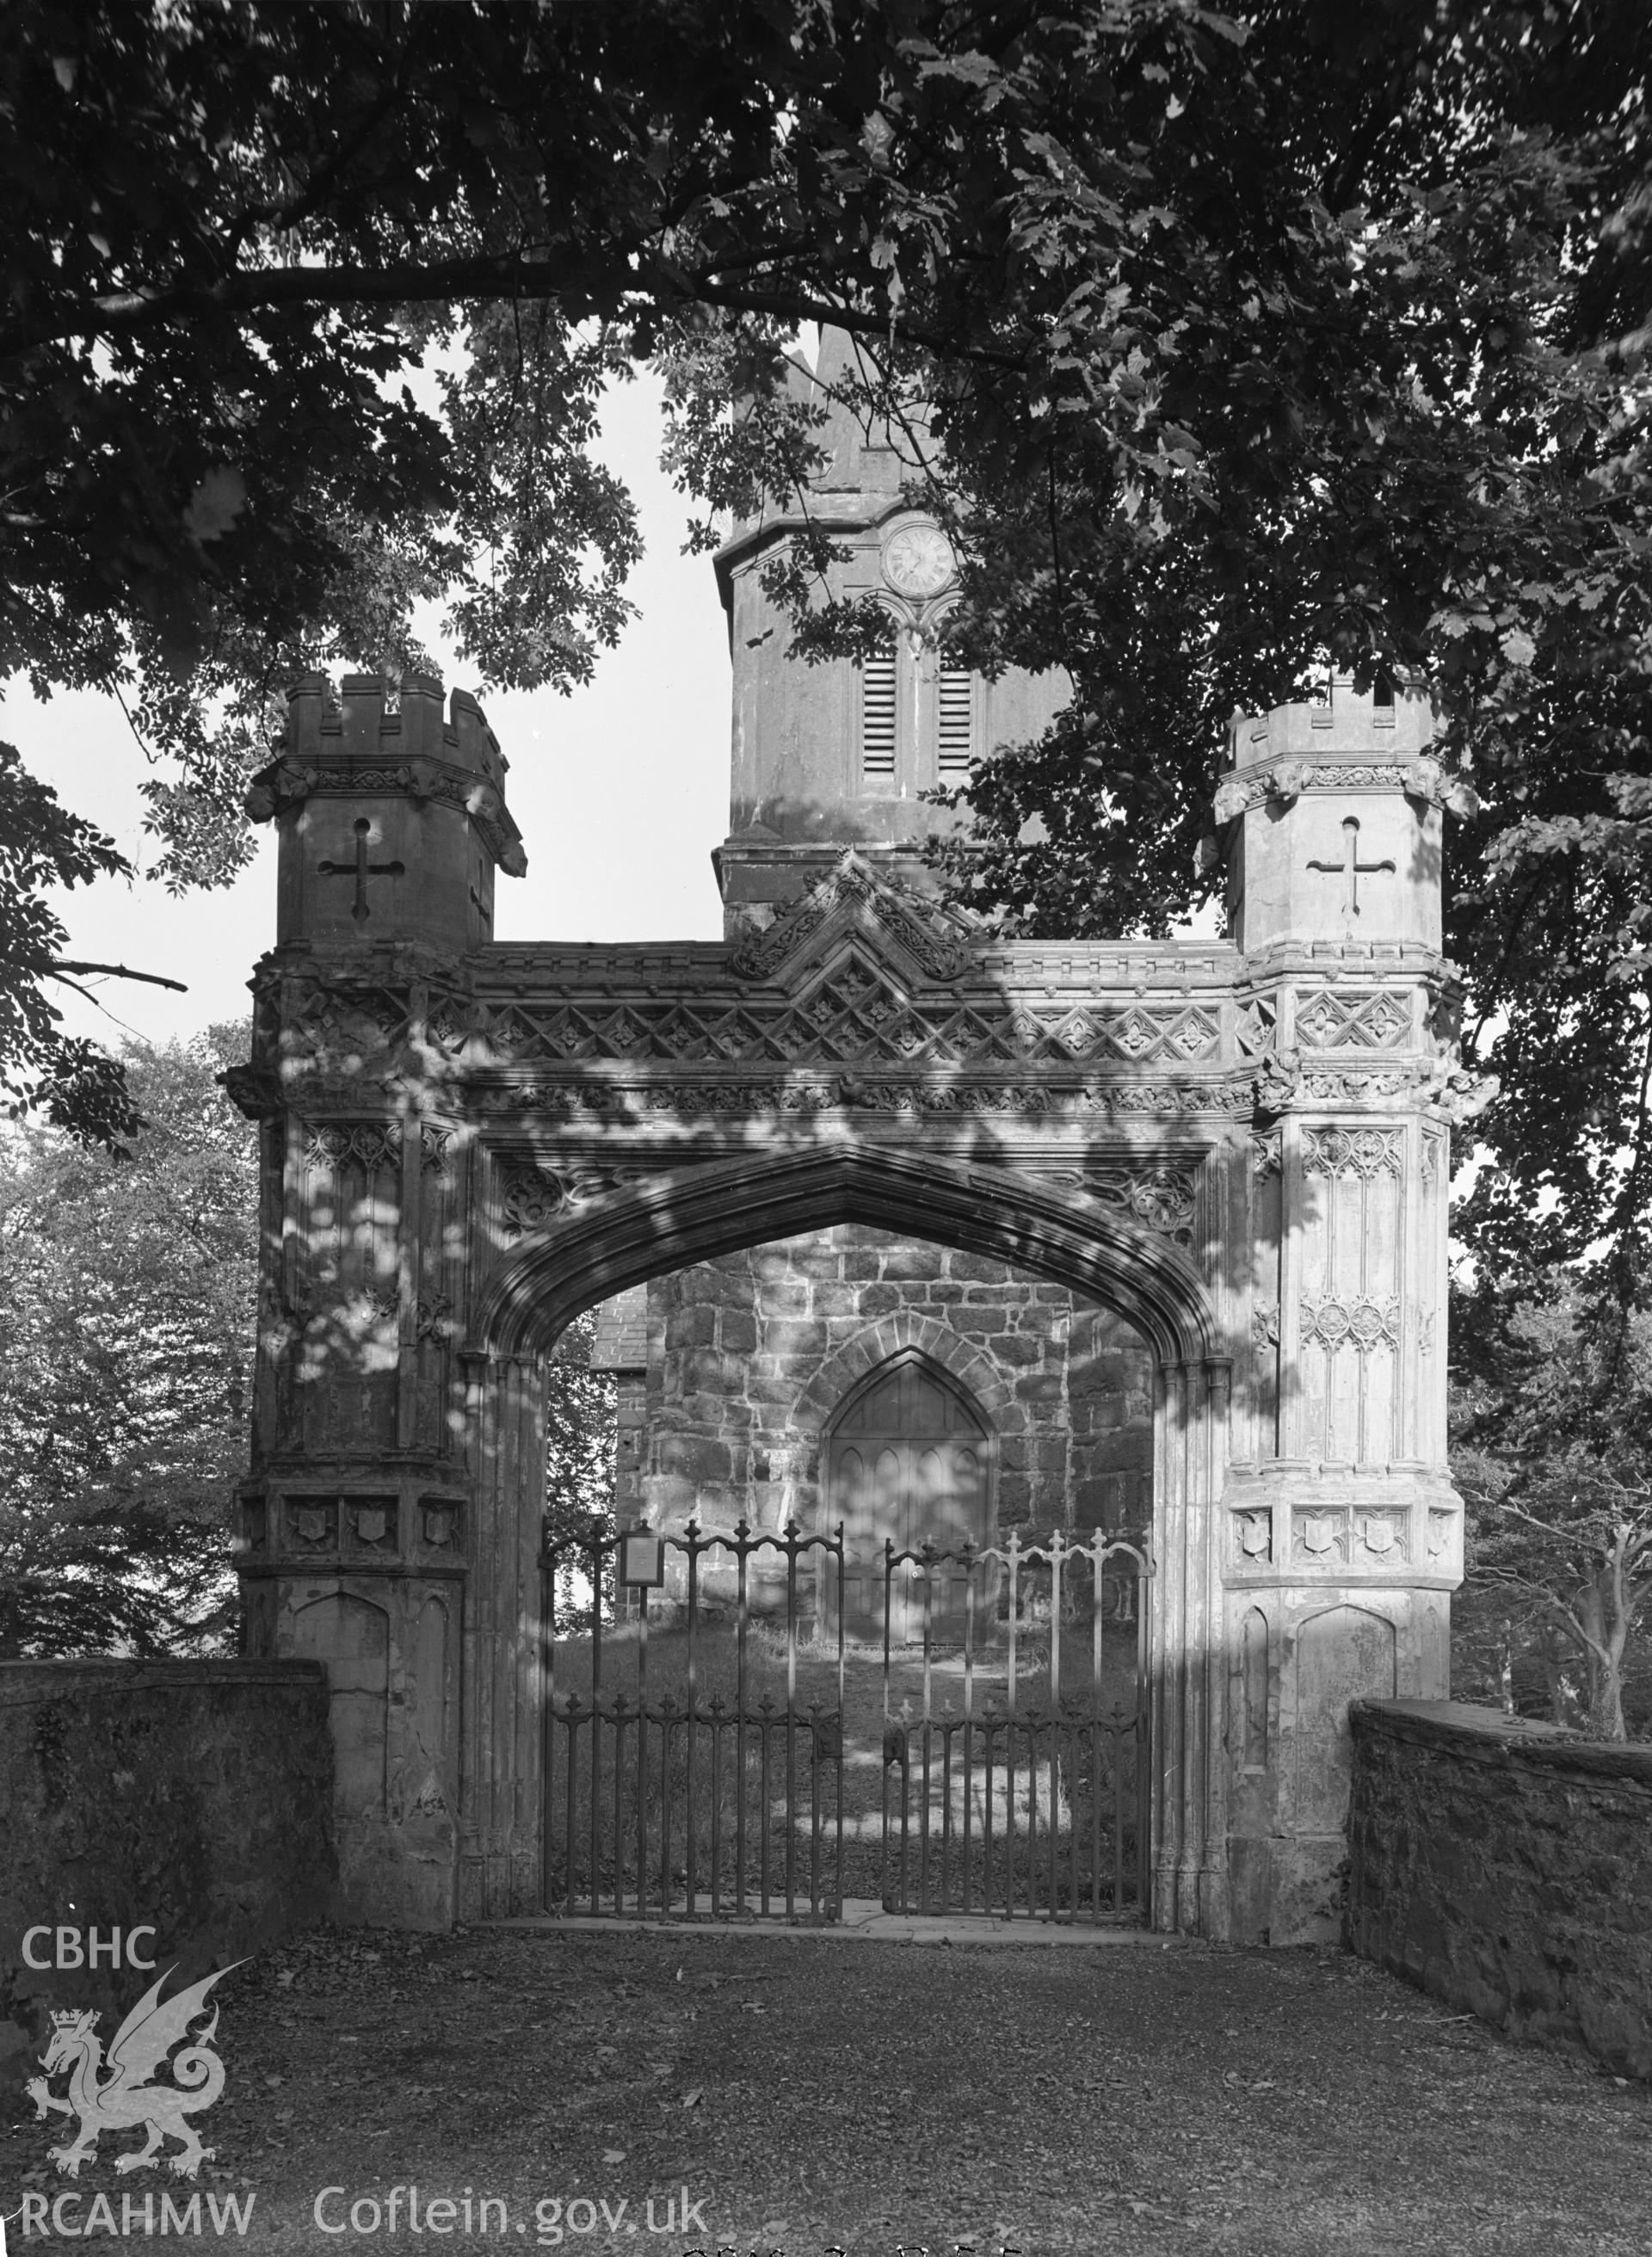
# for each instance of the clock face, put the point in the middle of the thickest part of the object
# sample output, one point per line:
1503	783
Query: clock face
918	561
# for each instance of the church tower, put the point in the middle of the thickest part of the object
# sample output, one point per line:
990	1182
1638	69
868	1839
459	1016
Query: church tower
838	754
965	1399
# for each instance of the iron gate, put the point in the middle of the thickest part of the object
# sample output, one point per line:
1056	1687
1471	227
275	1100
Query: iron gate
691	1800
738	1759
1036	1807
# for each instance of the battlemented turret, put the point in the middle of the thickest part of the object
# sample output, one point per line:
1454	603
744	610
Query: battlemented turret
1332	823
391	820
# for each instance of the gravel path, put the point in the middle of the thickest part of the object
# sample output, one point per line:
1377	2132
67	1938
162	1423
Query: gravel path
812	2094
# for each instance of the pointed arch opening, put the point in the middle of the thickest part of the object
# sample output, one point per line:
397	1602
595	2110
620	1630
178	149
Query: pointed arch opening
909	1460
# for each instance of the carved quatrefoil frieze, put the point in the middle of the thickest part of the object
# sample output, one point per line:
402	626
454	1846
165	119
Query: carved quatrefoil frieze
1365	1152
336	1145
342	1027
1332	1021
366	1144
855	1017
1336	1321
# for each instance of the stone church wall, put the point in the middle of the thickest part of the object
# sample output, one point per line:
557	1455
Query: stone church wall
747	1357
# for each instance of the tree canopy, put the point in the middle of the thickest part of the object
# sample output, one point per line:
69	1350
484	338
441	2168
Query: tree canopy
127	1290
1248	341
1554	1459
126	1308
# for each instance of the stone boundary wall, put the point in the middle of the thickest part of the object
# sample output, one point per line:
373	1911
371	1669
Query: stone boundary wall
1506	1867
195	1797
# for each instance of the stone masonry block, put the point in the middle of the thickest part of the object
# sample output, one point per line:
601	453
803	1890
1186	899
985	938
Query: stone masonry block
1042	1388
980	1269
1128	1451
1015	1499
721	1412
815	1259
708	1371
693	1326
736	1332
910	1261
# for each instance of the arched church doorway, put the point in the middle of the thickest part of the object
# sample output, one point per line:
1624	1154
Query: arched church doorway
908	1461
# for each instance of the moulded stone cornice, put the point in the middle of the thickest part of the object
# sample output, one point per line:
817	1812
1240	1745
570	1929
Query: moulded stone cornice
846	509
1076	968
1420	778
287	783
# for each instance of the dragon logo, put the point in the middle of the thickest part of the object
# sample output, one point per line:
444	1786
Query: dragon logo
124	2098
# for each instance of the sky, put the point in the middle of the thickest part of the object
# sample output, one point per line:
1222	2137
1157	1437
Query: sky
620	789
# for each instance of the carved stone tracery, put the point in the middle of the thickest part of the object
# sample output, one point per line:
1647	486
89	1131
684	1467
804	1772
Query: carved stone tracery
1360	1152
529	1197
368	1144
937	940
1333	1020
854	1017
1333	1321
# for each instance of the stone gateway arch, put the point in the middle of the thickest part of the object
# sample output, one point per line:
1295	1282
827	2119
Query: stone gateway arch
1242	1146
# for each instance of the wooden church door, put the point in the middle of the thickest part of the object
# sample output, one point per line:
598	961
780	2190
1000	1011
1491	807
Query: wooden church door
906	1459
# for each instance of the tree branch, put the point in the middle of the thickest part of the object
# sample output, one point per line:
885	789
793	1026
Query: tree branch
120	971
411	282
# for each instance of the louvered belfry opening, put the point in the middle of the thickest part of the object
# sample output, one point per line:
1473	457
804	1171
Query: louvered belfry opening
878	713
956	746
